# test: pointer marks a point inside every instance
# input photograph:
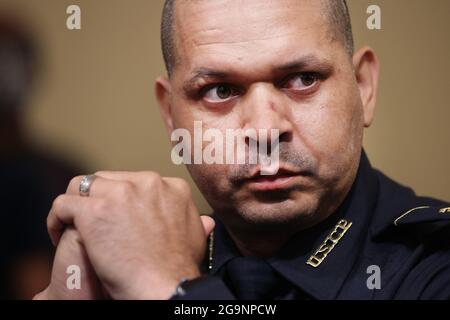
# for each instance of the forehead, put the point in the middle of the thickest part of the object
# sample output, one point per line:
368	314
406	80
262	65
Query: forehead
212	33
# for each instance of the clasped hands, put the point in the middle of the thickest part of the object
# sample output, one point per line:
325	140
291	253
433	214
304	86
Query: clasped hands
136	236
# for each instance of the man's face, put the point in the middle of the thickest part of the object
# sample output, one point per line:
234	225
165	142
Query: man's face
269	65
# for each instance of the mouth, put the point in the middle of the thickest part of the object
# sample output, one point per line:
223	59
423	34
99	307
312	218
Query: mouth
284	179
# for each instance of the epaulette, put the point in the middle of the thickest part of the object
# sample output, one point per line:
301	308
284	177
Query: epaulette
428	224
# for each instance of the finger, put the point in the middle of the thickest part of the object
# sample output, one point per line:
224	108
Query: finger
145	180
132	176
100	187
135	177
71	248
208	224
63	213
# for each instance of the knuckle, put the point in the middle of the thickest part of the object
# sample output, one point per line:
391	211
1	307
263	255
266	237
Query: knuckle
100	206
58	203
124	189
74	183
104	173
98	210
152	180
152	176
182	186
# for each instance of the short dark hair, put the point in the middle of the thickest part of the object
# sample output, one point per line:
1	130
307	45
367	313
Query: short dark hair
340	25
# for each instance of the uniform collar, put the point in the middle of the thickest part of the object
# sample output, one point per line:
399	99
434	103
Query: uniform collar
325	280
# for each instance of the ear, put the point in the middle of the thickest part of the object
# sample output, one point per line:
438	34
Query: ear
163	95
367	71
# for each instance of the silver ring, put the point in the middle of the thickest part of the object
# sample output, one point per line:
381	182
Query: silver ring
85	184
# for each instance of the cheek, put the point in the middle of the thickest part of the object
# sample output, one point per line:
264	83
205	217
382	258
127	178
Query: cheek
182	115
323	129
331	128
211	181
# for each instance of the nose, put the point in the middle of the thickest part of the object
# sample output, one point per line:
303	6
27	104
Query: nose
264	108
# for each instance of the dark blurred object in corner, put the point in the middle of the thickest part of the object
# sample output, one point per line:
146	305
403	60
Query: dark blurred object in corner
30	179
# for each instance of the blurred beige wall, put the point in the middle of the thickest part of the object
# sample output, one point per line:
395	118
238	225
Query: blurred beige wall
95	100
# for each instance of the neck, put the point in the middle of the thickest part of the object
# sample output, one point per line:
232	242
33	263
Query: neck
265	241
259	246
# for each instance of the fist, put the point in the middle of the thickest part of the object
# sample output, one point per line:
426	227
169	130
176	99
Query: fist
141	232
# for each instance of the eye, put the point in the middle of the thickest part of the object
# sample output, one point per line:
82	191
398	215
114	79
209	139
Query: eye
219	93
302	81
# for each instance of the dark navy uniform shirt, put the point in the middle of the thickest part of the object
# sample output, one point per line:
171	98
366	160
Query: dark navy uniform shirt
383	242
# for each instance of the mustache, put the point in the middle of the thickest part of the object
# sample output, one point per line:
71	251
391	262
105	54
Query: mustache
293	161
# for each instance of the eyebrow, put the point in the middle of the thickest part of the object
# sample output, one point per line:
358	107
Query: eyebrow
202	73
304	63
308	61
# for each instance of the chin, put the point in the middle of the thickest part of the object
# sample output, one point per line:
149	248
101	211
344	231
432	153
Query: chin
284	213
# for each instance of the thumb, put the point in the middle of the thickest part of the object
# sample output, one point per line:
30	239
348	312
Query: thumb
208	224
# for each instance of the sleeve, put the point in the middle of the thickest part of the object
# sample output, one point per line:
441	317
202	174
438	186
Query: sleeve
204	288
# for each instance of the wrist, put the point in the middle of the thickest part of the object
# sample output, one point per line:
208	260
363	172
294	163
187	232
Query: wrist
185	285
163	288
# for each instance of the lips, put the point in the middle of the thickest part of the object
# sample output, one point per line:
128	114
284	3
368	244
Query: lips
284	179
